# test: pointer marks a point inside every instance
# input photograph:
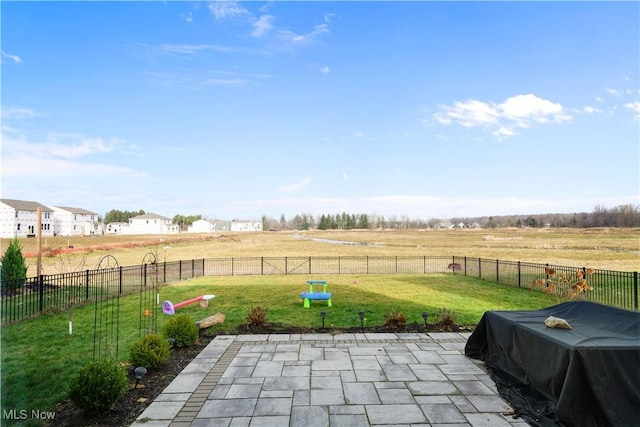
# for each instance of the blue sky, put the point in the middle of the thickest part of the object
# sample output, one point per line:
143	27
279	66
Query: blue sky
238	110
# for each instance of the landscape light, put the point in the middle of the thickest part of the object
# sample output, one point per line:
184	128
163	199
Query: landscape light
361	314
424	316
323	314
140	371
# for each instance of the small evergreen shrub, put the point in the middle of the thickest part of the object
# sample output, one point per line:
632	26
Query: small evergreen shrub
394	320
257	316
149	351
182	330
98	385
13	270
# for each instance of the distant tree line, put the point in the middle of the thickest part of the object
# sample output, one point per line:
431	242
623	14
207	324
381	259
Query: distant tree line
619	216
115	215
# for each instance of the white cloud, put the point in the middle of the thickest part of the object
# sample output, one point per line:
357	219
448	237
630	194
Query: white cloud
635	107
290	36
468	114
504	133
262	25
599	99
591	110
360	135
527	108
18	113
226	9
345	176
224	82
289	188
613	92
325	70
520	111
15	58
188	17
191	49
59	155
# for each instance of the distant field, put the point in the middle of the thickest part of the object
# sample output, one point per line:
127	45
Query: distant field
602	248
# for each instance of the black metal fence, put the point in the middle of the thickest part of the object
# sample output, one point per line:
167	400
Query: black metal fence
36	295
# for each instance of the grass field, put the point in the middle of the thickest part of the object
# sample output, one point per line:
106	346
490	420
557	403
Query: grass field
601	248
39	358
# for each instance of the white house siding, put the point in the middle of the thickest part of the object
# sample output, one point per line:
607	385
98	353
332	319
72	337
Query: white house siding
151	224
75	222
116	227
201	226
246	226
19	218
221	225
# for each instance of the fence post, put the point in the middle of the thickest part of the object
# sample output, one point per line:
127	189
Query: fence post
635	290
497	271
86	279
41	289
193	268
144	279
546	270
120	277
164	272
309	265
180	269
519	275
262	266
465	265
479	268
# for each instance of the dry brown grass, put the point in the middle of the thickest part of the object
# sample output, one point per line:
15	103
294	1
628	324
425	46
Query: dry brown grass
604	248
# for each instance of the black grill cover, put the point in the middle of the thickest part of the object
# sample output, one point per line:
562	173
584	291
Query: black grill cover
583	377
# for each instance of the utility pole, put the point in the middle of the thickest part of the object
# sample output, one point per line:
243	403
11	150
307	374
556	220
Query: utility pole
39	240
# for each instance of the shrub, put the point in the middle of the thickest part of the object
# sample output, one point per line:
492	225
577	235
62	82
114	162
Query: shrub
149	351
182	330
565	286
14	268
257	316
394	320
98	385
447	319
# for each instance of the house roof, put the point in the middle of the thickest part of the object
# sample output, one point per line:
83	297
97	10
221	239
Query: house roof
25	205
76	210
151	216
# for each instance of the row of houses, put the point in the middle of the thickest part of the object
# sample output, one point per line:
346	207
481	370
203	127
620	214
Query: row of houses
19	218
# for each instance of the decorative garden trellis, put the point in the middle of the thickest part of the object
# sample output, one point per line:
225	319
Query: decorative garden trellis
106	308
149	295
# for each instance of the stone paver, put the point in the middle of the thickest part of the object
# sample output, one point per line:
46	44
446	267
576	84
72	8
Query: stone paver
310	380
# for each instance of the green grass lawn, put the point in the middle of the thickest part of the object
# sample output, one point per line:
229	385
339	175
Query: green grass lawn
39	357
